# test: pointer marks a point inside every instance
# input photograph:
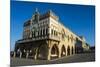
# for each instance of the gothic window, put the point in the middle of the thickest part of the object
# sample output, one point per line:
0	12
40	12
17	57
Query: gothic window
71	38
46	31
63	34
43	31
68	38
51	31
33	20
38	33
54	32
33	34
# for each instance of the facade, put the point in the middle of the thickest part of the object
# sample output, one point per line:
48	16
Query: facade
45	37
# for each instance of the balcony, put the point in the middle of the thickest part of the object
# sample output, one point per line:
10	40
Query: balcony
54	38
24	40
39	38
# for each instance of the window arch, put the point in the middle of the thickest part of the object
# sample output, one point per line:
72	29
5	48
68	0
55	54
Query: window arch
72	50
63	51
68	50
55	51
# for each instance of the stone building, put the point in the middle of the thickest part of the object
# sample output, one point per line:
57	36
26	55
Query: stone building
45	37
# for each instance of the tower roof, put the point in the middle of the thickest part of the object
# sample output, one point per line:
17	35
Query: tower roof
36	11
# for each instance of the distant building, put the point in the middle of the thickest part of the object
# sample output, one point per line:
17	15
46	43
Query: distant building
92	48
45	37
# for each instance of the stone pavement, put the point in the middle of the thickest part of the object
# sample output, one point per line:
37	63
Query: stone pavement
85	57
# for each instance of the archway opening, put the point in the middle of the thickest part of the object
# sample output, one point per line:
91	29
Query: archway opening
72	50
76	49
63	51
68	50
54	51
40	52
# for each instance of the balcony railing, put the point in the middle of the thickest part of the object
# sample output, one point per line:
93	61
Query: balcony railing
54	37
39	38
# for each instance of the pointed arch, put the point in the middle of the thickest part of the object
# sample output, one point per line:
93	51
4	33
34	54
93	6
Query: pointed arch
72	50
63	51
55	51
68	50
40	51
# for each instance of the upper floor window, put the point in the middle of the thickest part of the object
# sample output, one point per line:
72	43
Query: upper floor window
52	31
43	31
68	38
71	38
46	31
33	34
63	34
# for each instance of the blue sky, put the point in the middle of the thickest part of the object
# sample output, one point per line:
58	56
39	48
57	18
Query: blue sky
78	18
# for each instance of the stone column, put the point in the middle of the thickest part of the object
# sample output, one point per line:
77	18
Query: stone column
14	54
70	51
59	52
66	51
74	50
20	54
36	53
59	55
49	54
49	50
74	47
27	54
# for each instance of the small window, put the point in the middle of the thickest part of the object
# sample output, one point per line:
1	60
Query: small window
46	31
43	31
68	38
51	32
